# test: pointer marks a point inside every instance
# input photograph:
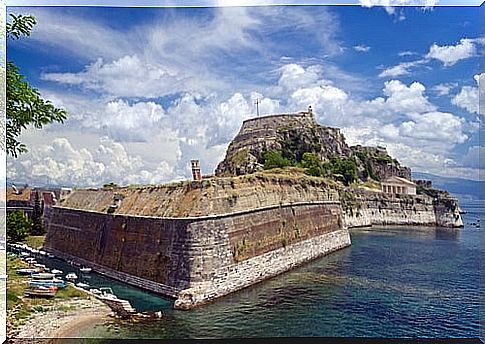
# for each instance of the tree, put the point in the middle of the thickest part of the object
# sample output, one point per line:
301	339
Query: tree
18	226
344	169
37	225
274	159
312	164
24	105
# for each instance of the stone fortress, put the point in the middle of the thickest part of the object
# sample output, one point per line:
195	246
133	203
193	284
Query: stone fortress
195	241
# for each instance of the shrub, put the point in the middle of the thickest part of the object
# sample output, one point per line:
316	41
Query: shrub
274	159
18	226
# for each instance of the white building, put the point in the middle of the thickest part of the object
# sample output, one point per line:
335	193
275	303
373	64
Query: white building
398	185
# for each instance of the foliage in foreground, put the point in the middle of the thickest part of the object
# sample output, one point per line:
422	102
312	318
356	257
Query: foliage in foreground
24	106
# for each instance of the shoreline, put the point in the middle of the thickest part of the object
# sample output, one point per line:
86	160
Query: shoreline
58	323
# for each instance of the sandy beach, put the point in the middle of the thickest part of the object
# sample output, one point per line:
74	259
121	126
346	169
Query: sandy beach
62	323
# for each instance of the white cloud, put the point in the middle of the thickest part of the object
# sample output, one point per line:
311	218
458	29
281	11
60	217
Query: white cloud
361	48
407	53
59	163
451	54
435	126
470	96
467	99
406	99
447	54
426	3
128	76
390	6
294	76
443	89
403	68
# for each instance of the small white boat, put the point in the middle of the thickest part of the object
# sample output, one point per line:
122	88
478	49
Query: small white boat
85	269
42	253
95	291
24	254
43	276
50	255
83	285
57	272
71	276
40	266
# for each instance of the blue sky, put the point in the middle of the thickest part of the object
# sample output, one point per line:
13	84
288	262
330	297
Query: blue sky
148	89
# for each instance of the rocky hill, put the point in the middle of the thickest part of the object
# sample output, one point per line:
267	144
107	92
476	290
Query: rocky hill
293	135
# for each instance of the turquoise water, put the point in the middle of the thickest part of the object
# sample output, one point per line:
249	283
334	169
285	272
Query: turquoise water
392	282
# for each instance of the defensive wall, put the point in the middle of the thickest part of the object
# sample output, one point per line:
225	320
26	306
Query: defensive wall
197	259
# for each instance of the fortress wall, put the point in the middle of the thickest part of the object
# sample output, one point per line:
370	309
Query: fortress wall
209	197
274	121
197	256
383	209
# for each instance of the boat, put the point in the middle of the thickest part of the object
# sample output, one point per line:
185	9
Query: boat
24	254
50	255
95	291
42	253
43	276
27	271
71	276
41	291
85	269
49	283
40	266
57	272
82	285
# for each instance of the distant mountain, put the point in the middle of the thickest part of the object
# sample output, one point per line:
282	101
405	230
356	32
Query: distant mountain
463	189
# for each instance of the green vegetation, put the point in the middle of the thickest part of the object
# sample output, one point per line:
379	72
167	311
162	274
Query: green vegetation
344	170
274	159
35	241
312	164
19	307
110	185
37	223
18	226
24	105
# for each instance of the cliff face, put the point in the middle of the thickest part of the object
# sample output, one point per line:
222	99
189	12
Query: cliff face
295	134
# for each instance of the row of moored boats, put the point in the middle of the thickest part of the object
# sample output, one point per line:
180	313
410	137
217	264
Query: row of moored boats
43	281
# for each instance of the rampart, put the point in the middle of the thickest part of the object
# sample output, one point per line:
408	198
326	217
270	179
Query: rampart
363	208
197	259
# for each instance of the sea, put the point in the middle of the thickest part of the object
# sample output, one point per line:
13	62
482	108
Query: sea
413	282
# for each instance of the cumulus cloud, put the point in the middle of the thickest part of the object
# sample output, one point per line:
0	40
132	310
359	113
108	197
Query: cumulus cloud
435	126
59	163
451	54
469	97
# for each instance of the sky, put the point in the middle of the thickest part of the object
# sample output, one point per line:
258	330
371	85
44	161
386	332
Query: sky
148	89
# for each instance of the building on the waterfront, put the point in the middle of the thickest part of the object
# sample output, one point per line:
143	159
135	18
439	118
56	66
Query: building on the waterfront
23	199
398	185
